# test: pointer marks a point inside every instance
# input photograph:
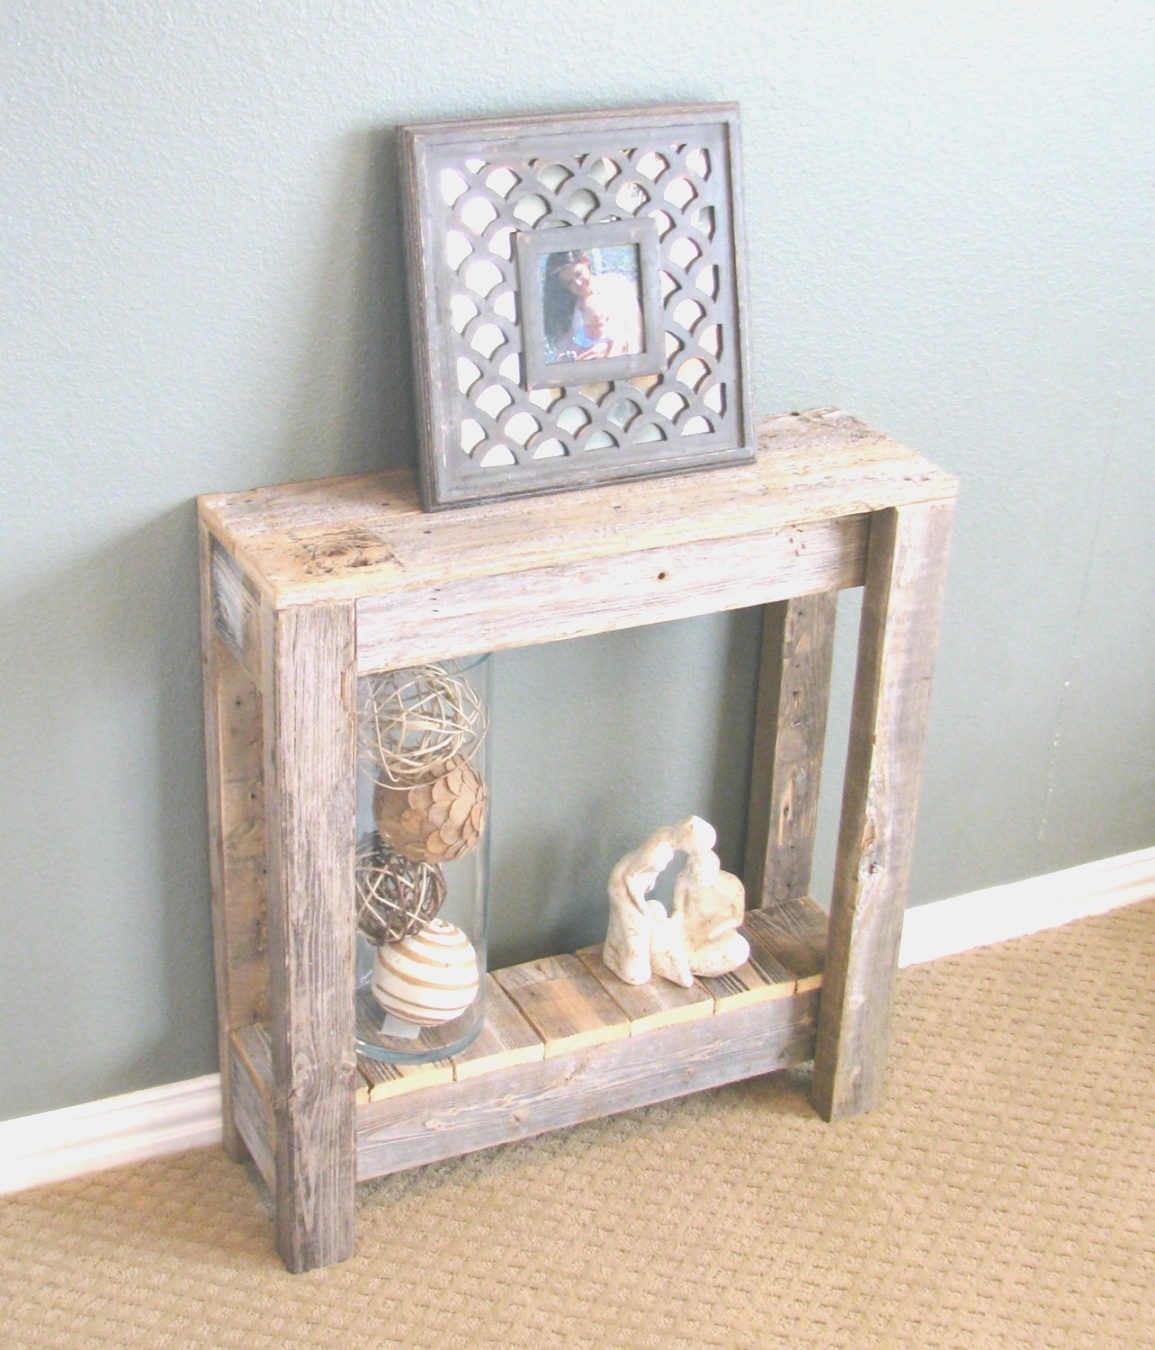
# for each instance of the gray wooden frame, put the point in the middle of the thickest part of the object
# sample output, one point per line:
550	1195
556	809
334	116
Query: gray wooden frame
531	248
484	431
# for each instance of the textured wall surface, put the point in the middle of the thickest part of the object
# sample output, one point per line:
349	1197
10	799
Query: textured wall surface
200	289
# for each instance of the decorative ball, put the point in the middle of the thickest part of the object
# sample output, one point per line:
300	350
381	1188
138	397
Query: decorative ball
411	721
429	977
395	895
437	820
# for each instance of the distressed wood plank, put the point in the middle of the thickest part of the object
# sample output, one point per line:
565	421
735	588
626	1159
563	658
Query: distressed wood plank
243	845
506	1038
252	1077
598	1080
762	979
900	619
310	803
252	1050
658	1003
789	735
233	752
795	930
563	1003
256	1050
457	618
391	1080
236	610
354	537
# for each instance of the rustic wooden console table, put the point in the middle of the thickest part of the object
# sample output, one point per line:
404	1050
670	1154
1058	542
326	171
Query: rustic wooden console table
306	587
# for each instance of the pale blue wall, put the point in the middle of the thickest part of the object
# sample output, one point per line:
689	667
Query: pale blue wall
949	221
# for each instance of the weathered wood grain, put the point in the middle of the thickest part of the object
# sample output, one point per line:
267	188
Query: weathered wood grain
236	610
564	1004
310	801
391	1080
658	1003
598	1080
457	618
789	735
242	795
250	1055
900	619
795	930
348	538
762	979
506	1038
233	752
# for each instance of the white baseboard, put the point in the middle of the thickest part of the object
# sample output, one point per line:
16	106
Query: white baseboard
980	918
56	1145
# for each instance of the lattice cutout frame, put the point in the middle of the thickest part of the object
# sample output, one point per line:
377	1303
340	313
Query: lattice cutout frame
526	182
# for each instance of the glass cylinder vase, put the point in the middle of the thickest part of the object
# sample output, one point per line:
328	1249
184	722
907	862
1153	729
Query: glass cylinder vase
422	860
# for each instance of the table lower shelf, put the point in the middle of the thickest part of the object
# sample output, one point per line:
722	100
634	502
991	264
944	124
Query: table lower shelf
566	1041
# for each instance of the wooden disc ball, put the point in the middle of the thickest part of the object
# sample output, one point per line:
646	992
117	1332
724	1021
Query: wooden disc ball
438	819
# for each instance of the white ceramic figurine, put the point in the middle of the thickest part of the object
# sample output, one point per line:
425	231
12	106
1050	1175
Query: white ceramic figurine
700	936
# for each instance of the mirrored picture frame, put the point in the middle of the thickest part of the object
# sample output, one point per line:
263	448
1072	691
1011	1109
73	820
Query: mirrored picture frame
577	299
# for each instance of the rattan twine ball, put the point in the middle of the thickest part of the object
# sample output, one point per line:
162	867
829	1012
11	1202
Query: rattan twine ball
411	721
436	820
396	896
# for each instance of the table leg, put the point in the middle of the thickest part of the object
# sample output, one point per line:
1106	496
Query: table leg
789	735
310	776
236	842
905	578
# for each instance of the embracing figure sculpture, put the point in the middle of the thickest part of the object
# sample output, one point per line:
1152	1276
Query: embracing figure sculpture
700	935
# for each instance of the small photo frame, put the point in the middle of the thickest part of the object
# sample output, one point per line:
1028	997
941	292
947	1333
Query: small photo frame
591	296
577	299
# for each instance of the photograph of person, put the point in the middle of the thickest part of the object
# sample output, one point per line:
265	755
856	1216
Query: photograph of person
591	303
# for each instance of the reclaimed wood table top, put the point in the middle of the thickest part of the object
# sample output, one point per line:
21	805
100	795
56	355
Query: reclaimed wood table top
343	539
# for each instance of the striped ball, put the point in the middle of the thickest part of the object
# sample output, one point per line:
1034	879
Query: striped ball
429	977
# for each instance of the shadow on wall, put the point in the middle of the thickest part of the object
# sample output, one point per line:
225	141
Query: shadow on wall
353	406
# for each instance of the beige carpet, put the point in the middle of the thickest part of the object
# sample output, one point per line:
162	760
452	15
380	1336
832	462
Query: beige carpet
1004	1196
